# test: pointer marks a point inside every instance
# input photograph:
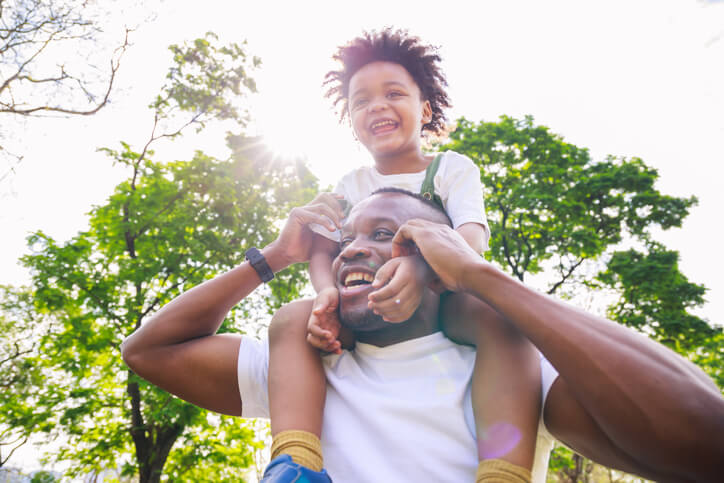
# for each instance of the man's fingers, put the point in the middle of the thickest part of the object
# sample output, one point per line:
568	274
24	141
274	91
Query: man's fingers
334	202
327	213
307	215
404	241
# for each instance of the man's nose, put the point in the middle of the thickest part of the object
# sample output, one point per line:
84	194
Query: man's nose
354	250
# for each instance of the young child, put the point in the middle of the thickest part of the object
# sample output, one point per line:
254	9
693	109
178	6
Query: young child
392	90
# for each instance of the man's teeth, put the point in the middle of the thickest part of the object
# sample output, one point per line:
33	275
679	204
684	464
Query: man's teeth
361	277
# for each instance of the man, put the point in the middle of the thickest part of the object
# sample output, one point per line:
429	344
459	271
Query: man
619	398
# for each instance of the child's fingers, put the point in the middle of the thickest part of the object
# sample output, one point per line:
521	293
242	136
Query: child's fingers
390	284
335	347
320	333
399	307
385	272
316	342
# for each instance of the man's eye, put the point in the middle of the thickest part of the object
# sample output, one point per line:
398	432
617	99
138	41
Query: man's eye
383	234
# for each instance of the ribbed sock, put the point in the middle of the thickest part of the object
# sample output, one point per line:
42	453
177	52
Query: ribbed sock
304	448
501	470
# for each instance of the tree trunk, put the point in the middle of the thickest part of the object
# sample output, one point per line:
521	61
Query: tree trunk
153	443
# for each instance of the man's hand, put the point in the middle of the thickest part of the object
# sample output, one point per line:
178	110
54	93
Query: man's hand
295	239
444	249
400	283
323	327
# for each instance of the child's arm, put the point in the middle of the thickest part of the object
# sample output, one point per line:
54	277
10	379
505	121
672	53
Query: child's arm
320	262
474	234
323	327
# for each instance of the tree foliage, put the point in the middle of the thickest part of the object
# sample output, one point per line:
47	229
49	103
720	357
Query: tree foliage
27	394
657	298
550	205
168	227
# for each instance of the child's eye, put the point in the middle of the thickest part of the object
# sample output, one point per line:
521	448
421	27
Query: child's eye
358	103
394	94
344	242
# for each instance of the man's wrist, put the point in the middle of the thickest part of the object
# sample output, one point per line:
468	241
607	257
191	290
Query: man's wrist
476	276
275	257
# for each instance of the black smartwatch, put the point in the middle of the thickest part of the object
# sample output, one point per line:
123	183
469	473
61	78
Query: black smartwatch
257	260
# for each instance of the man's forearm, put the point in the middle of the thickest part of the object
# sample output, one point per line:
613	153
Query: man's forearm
201	310
633	387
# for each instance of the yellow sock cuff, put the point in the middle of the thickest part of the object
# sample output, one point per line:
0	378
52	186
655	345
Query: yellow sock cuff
501	470
304	448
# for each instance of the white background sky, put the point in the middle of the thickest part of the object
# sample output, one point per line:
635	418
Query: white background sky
627	78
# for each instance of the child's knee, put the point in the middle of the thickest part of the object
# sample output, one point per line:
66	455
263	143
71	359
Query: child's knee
290	321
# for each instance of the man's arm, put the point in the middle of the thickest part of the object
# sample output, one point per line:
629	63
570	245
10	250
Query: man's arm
621	399
178	348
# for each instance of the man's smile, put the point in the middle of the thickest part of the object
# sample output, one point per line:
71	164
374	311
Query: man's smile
355	281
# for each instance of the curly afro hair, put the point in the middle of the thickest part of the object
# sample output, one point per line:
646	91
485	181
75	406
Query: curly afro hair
420	60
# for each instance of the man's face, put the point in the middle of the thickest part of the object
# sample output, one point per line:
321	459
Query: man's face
366	244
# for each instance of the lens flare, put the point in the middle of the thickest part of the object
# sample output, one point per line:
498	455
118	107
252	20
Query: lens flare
498	440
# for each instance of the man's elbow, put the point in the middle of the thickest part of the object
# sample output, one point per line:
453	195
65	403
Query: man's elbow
130	353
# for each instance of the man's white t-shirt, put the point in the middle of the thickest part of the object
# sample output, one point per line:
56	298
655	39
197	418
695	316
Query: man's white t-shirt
400	413
456	182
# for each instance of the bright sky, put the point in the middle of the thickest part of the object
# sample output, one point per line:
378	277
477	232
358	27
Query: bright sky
619	77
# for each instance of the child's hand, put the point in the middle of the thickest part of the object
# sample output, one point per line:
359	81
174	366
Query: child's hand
406	279
323	327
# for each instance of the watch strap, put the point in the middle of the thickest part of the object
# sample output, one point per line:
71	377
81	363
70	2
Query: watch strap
257	260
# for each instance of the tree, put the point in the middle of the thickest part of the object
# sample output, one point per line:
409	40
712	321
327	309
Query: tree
555	211
167	228
50	60
551	206
23	385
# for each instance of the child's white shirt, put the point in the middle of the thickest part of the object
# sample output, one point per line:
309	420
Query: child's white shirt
457	183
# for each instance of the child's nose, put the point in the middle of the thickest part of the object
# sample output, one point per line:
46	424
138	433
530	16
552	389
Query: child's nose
377	105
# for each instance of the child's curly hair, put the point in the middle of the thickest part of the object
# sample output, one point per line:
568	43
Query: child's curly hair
420	60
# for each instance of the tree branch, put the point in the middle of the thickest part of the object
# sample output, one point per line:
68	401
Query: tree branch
565	277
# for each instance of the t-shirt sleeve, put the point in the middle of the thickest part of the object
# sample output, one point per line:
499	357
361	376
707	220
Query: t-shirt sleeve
252	372
548	375
462	192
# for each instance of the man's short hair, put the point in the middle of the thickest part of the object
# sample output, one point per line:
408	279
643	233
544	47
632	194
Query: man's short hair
429	203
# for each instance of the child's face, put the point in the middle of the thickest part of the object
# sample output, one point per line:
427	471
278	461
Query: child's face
386	110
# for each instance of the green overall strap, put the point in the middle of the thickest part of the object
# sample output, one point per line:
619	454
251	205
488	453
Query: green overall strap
428	186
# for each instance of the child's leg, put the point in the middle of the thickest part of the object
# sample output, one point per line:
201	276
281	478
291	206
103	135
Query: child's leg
297	387
506	387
